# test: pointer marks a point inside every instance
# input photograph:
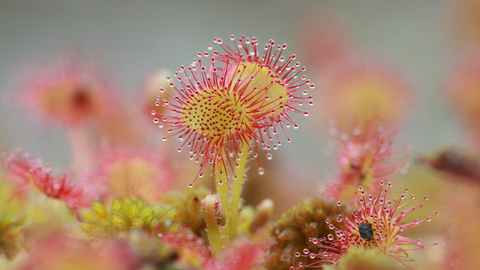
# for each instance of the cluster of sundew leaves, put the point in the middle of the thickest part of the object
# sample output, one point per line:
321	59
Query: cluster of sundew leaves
364	157
122	171
68	92
28	172
212	122
375	224
256	91
10	230
367	88
295	229
123	216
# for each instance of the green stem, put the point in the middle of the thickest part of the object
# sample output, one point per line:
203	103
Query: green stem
211	222
237	190
222	193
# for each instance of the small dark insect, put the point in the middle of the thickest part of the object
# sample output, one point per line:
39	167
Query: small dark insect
366	231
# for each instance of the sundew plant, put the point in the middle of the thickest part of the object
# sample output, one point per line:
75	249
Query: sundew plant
239	152
124	204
